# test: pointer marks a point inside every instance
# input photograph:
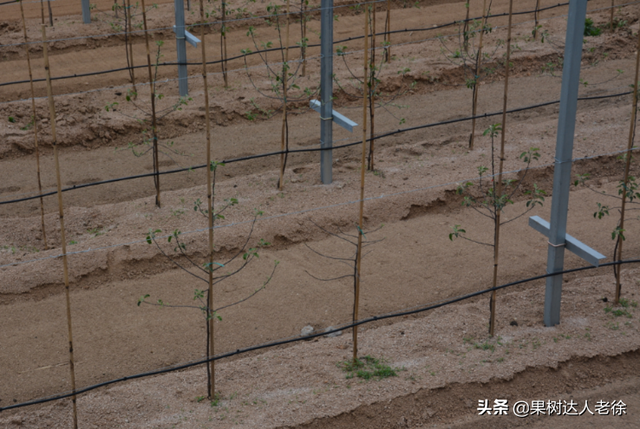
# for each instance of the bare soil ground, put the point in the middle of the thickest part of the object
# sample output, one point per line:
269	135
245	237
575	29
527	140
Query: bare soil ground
447	361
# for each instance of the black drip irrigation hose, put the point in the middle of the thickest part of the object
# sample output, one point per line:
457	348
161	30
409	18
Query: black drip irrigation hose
308	337
346	145
172	63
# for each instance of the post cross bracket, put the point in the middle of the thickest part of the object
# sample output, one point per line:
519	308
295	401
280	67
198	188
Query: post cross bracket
339	119
190	38
572	244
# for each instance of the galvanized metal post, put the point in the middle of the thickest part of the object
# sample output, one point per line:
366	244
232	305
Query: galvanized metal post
564	152
181	47
86	12
326	90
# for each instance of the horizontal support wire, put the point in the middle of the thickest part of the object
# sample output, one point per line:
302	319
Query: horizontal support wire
277	49
310	210
268	154
290	340
227	22
25	2
243	69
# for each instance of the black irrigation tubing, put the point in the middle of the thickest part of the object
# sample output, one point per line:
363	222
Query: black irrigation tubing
173	63
267	154
308	337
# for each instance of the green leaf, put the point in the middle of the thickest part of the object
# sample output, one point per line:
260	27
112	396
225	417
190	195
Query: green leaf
142	298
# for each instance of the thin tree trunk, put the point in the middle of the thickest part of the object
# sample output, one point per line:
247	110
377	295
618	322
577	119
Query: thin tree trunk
387	30
284	135
50	13
65	265
35	126
613	5
211	379
627	166
129	31
365	95
536	17
303	30
223	44
465	29
474	107
152	92
498	193
371	89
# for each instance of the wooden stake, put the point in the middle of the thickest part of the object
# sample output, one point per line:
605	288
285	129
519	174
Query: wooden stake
152	92
365	96
35	126
627	166
498	192
211	380
476	86
223	44
284	133
52	112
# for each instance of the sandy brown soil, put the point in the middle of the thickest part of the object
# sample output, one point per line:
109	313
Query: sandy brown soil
591	355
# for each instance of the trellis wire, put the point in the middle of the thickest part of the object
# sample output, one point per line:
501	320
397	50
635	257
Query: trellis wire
310	210
290	340
263	155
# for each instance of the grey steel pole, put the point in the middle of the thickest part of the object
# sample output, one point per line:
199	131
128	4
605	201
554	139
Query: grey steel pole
564	152
326	90
86	12
181	47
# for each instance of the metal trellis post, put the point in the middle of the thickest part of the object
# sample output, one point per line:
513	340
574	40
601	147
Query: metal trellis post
181	47
564	152
182	37
86	12
326	90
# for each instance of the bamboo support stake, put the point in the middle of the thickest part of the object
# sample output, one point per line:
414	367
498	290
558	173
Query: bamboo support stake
627	166
223	44
474	107
211	381
35	126
152	92
285	73
371	89
498	193
387	30
42	11
365	95
52	112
